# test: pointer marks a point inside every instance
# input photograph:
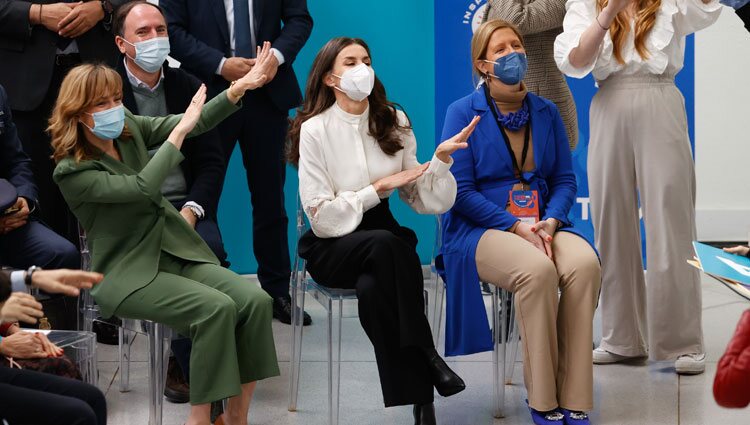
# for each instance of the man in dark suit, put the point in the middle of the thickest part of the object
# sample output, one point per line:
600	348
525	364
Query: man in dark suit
194	186
24	239
216	40
39	43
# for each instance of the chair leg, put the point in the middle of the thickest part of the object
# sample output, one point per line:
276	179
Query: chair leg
126	338
335	311
298	305
438	309
426	304
515	336
91	372
499	330
158	345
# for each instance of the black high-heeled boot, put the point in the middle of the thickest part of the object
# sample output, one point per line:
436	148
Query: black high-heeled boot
424	414
445	380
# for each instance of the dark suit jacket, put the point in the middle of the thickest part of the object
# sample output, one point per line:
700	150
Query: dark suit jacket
744	14
204	162
27	54
199	35
15	165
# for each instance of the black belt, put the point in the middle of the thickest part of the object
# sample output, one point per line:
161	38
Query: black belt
68	60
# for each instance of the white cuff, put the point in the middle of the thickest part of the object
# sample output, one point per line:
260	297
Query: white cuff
439	167
17	281
279	55
369	197
196	208
221	65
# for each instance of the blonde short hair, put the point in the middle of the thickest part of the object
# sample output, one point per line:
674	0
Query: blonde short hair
85	85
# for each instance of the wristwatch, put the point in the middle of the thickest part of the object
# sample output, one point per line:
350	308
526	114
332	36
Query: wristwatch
30	274
108	12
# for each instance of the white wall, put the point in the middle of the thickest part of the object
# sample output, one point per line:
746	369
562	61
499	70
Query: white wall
722	130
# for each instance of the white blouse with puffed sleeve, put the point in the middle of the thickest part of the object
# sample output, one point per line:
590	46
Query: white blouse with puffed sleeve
338	162
675	20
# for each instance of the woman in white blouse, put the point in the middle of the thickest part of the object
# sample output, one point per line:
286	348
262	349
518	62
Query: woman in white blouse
639	150
354	148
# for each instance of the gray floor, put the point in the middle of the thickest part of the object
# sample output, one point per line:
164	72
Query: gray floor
649	393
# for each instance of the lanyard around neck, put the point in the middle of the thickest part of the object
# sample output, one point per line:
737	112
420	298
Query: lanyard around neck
506	139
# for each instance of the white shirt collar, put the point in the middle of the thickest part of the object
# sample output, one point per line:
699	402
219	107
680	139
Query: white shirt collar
351	118
134	81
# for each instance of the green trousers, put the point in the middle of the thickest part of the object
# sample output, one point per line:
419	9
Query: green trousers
227	318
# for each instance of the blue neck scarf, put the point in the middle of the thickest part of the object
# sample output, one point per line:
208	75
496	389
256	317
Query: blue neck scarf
514	121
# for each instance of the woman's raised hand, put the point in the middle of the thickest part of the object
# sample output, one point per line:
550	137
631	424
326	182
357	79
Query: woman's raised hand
258	73
193	112
446	149
399	179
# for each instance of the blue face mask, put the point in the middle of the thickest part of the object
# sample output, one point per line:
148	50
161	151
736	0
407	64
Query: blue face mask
108	124
510	69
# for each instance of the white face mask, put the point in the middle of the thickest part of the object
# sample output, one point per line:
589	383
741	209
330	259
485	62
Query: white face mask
357	82
150	54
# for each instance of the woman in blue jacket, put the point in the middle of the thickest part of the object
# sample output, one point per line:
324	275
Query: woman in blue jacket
509	227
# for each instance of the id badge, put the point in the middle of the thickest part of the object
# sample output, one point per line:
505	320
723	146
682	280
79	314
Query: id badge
524	205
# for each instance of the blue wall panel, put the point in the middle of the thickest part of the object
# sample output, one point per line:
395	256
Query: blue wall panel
401	36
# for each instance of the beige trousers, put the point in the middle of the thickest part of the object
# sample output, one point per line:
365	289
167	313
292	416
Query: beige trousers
556	334
640	148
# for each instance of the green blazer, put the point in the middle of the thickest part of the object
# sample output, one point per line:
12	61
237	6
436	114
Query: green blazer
128	222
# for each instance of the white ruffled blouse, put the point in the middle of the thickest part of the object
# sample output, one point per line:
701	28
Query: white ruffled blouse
675	20
339	161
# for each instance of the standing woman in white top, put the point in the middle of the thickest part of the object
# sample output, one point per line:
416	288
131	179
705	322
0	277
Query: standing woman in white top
354	148
639	149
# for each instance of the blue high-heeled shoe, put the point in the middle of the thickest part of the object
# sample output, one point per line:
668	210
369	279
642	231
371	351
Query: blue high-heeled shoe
553	417
575	418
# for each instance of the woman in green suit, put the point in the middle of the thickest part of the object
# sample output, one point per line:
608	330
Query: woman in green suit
156	266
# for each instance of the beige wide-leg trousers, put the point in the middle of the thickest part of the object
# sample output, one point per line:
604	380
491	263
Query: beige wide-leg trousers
556	335
639	147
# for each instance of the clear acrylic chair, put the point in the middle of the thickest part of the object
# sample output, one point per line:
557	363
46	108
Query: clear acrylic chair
503	364
333	301
80	347
158	342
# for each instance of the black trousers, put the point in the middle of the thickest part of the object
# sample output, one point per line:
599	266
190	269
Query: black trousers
36	143
380	261
260	128
33	398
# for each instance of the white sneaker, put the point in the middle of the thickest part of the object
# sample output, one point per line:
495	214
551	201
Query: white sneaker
602	356
690	364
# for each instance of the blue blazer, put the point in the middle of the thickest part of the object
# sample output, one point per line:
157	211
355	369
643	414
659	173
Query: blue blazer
15	165
484	174
199	37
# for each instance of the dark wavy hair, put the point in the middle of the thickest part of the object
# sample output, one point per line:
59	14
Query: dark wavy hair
383	125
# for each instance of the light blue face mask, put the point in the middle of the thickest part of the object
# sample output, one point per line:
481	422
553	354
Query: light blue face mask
108	124
510	69
150	54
